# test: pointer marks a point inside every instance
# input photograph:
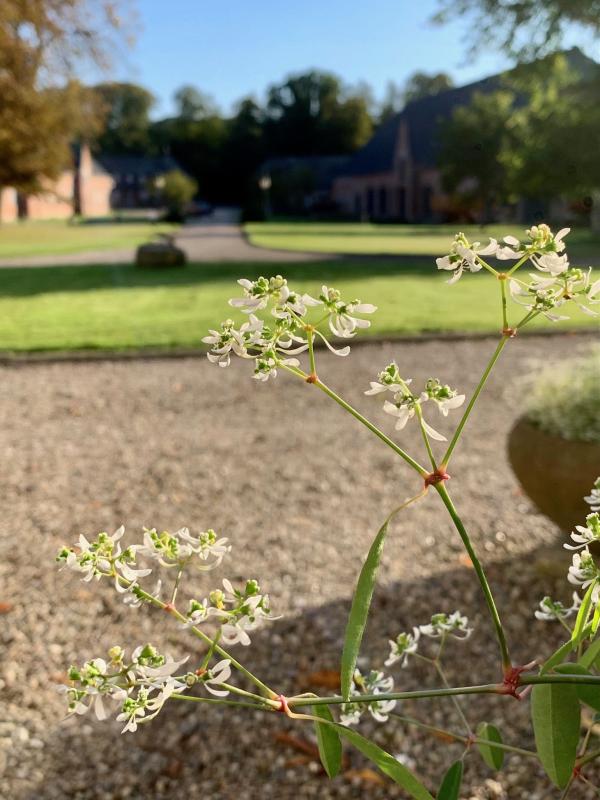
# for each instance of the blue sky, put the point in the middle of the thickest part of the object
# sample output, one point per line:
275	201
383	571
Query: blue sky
235	48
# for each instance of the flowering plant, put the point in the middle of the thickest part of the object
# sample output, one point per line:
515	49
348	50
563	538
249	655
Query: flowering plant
281	325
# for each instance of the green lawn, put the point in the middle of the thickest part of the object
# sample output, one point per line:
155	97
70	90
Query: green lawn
61	237
118	307
368	239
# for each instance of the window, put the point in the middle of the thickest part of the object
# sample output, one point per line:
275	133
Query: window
370	202
383	202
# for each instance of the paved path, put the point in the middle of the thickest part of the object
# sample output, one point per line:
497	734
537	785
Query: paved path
218	237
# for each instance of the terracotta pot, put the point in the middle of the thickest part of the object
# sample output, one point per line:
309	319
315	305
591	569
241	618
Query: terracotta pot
555	473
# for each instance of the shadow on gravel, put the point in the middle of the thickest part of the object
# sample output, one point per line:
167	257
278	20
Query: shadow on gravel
196	752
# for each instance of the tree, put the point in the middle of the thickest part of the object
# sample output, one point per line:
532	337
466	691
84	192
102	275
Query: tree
177	190
393	101
422	84
192	104
42	108
313	114
476	144
523	28
126	108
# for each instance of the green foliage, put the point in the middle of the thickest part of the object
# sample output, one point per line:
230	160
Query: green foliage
177	190
359	612
328	740
493	756
127	109
590	695
451	782
387	764
564	399
555	715
423	84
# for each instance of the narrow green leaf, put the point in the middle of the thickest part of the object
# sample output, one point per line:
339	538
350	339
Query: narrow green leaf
360	611
328	739
555	714
493	756
563	652
588	659
583	614
590	695
387	764
596	620
450	788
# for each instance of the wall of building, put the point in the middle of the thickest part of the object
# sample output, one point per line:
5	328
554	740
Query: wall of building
55	202
378	196
9	210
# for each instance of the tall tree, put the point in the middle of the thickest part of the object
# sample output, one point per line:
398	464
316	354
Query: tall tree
423	84
521	27
313	114
42	107
192	104
126	109
476	144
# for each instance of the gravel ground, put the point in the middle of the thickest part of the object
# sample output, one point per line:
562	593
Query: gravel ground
300	490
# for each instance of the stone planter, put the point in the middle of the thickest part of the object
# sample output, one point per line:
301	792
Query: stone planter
159	254
555	473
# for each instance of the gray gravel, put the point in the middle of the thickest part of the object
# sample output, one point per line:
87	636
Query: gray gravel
300	489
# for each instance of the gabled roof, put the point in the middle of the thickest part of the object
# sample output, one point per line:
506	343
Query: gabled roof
140	166
422	118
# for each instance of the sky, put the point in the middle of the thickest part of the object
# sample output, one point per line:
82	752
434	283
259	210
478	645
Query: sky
235	48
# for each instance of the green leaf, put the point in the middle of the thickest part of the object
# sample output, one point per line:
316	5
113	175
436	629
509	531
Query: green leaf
360	611
328	739
555	714
588	694
591	654
596	620
583	614
450	788
387	764
493	756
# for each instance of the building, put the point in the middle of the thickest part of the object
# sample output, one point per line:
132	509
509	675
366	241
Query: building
83	189
135	178
303	184
395	176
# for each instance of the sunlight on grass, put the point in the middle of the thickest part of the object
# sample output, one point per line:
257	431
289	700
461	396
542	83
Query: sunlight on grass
119	307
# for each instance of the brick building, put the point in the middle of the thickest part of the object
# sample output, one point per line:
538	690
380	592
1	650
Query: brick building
83	189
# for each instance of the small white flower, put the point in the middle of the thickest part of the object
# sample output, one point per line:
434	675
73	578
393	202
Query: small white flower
553	610
342	321
593	499
464	255
583	570
405	645
454	624
585	535
216	676
373	683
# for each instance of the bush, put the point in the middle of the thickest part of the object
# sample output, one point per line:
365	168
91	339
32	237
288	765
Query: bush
565	399
177	189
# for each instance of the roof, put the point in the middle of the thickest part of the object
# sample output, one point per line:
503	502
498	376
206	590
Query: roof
422	118
141	166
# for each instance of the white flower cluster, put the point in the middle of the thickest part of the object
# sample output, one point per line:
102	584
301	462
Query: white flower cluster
177	549
138	687
405	404
237	611
554	610
543	294
271	342
585	566
440	627
371	684
465	255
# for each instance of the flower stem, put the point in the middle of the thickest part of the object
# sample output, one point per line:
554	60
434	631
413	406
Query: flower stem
216	701
502	281
425	437
373	428
489	688
310	336
473	400
483	581
455	702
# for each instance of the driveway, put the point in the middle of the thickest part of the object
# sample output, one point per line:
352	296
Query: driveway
218	237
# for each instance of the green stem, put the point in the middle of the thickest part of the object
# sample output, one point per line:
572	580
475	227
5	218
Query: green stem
242	692
489	688
483	581
519	263
373	428
425	437
473	400
455	702
587	758
311	350
502	280
585	680
216	701
464	739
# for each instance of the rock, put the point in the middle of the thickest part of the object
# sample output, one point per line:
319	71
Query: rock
160	254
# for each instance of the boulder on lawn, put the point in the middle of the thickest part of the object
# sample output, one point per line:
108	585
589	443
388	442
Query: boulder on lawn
160	254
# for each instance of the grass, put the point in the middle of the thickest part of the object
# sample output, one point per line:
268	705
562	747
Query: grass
59	237
368	239
120	307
